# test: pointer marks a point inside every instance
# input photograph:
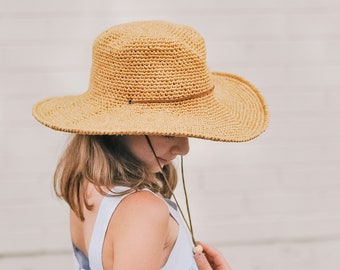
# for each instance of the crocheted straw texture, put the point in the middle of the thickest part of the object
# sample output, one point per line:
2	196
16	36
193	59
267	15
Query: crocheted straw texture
152	78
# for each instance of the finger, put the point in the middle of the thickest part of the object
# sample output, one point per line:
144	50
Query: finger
208	249
201	261
214	257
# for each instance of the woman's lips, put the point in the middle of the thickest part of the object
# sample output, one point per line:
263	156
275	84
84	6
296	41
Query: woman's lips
163	161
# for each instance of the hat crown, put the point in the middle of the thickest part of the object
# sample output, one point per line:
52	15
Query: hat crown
149	61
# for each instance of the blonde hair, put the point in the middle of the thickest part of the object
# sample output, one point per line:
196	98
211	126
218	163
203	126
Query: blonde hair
105	161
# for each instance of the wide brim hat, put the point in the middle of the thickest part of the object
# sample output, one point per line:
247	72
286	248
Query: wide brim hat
151	78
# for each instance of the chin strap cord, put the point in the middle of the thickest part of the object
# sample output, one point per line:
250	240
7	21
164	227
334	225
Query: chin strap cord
188	222
187	203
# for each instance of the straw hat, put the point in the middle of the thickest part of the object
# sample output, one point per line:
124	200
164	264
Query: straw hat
152	78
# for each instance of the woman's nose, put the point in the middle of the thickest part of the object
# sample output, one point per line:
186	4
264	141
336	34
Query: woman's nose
181	146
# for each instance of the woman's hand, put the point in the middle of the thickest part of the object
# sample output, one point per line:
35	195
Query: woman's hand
210	259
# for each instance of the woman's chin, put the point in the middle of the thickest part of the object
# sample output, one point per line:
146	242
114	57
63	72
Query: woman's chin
156	168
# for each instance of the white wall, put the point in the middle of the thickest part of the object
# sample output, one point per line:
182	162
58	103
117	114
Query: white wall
272	203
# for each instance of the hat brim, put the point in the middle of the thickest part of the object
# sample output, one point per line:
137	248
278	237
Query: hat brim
234	112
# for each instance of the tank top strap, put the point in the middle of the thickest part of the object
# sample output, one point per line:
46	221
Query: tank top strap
107	207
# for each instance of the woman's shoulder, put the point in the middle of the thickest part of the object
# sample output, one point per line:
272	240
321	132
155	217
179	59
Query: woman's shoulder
139	224
140	213
143	203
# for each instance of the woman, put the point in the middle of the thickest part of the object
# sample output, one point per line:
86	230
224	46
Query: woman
150	90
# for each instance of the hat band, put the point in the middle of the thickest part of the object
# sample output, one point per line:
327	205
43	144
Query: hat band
194	96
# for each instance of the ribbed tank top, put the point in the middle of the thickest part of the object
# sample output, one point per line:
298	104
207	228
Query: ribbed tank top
181	256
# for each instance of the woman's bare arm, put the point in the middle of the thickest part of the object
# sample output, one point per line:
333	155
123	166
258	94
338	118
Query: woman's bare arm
140	227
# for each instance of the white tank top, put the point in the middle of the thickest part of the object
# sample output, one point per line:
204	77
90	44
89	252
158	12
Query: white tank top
181	256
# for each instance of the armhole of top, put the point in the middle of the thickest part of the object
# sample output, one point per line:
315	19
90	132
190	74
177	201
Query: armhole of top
106	209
